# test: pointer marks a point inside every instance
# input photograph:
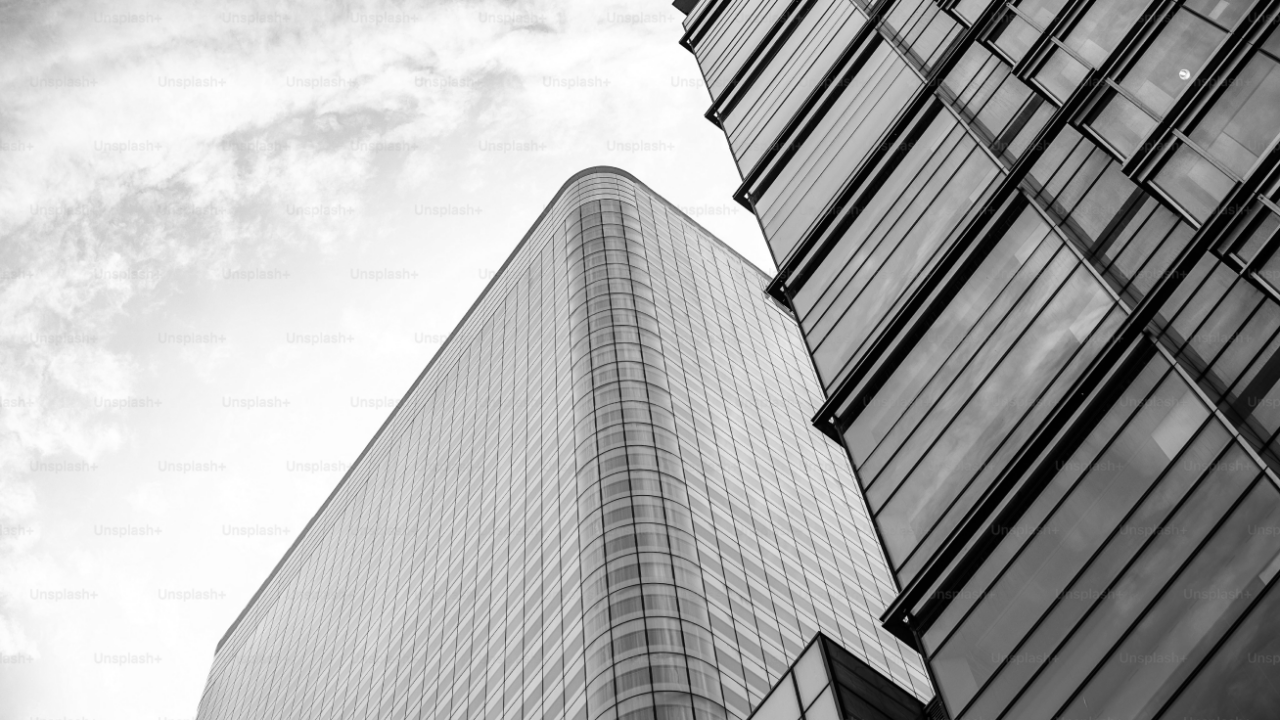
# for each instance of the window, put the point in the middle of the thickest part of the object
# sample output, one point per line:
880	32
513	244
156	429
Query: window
1168	64
1180	629
1057	548
949	458
1246	115
1117	606
1201	167
1002	263
1193	181
762	110
1092	38
893	242
1015	36
994	101
1242	678
865	109
1172	60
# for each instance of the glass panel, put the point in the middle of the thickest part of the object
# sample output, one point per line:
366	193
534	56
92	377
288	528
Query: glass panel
980	91
838	144
1148	520
824	708
1242	679
957	318
1172	60
1121	603
983	420
1058	549
977	60
726	47
1061	74
908	247
1249	235
874	203
1041	11
1224	13
889	236
765	108
931	36
1194	182
971	9
1063	156
1100	207
781	703
1013	310
1080	461
1122	124
1017	37
1162	249
1197	610
810	675
1020	142
1009	100
1246	116
1270	270
1102	27
1013	442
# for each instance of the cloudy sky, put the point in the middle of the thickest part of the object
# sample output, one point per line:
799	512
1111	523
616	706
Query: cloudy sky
231	234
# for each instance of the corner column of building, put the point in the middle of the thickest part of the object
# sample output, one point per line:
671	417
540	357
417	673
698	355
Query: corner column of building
649	651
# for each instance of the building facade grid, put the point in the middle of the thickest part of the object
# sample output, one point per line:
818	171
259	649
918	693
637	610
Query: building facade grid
993	219
602	499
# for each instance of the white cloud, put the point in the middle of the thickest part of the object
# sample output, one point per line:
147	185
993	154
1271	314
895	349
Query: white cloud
328	138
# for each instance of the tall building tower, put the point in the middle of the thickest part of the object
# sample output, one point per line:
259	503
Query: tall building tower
602	499
1032	249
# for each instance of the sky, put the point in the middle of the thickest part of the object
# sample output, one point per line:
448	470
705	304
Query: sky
231	235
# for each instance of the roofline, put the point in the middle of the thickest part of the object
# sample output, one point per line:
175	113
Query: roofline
609	169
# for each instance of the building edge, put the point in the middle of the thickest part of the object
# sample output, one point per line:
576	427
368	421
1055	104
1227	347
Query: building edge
591	170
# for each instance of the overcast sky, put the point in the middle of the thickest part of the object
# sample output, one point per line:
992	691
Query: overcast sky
231	235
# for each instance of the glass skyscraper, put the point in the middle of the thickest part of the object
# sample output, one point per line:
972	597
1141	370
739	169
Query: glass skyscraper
1032	249
603	498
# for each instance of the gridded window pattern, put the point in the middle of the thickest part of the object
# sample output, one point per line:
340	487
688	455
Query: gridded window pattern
602	499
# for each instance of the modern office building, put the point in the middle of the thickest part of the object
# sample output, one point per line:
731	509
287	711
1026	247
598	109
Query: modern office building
1032	249
602	499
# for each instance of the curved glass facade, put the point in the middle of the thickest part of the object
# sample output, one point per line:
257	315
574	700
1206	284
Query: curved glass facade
602	499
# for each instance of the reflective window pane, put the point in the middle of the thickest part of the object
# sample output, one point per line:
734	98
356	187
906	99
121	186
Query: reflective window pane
1183	626
1122	124
1060	547
1061	74
1245	118
1193	182
1016	37
1242	679
1172	61
1102	26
